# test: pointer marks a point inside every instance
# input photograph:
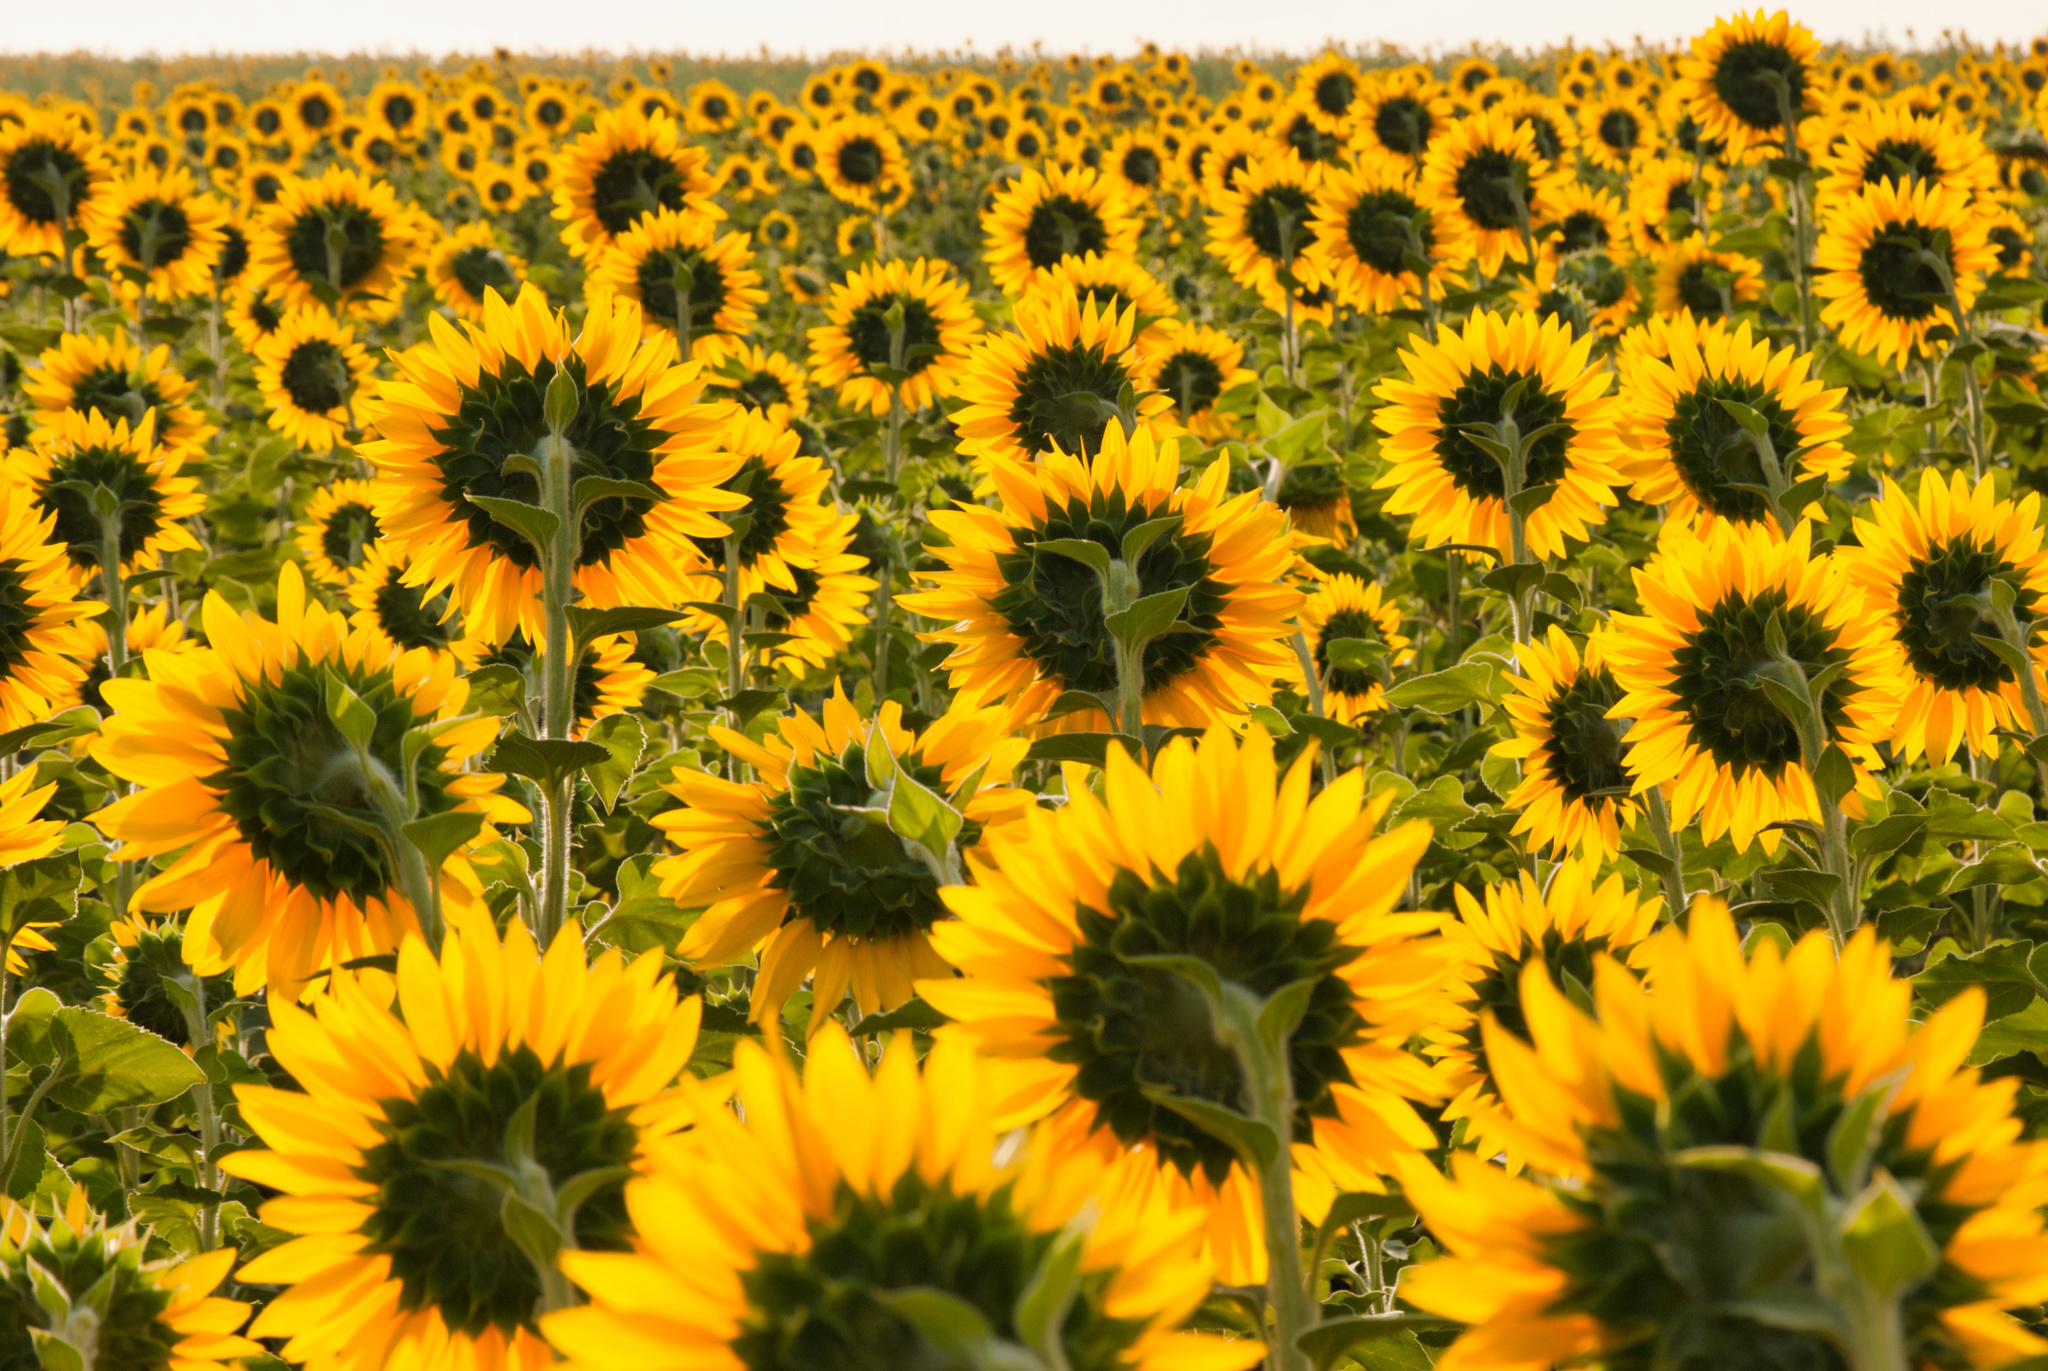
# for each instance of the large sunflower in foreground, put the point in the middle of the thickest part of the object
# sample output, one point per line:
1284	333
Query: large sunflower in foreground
470	261
1744	73
243	773
1054	383
44	646
939	326
85	450
1569	749
1027	623
340	239
1453	487
1491	184
1927	566
1666	1115
685	279
159	225
1693	457
491	1056
1193	365
52	169
1362	226
628	166
1688	668
1344	607
1050	213
777	1234
1261	226
1215	855
788	866
106	372
135	1312
1882	292
461	407
307	372
337	530
1562	927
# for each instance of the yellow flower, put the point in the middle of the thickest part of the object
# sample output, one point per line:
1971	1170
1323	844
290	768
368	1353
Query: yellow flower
1455	489
1665	1119
637	420
307	371
1116	283
1923	564
158	224
1688	668
1362	220
1260	227
145	477
1194	365
107	373
1744	73
336	532
860	160
45	647
382	599
939	326
1899	144
1712	285
1028	625
788	867
1215	855
1344	607
41	150
400	1259
1486	175
768	383
1050	213
468	262
1399	114
786	1229
670	265
628	166
1569	749
340	239
240	767
1882	293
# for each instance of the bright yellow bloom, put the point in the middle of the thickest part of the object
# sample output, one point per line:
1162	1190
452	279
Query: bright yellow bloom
308	370
1882	294
939	326
1050	213
1569	750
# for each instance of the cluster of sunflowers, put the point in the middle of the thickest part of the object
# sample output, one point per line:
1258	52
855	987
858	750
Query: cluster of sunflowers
1121	716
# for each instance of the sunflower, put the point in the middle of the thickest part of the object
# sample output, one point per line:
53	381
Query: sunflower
1616	132
608	680
1688	668
1399	114
840	900
52	171
1666	186
1573	793
861	162
106	373
1050	213
1743	76
1260	228
1562	929
252	315
712	107
939	326
778	231
858	1188
463	406
673	267
146	954
1219	856
83	450
1583	219
1345	607
1872	266
767	383
743	178
86	1297
382	600
26	838
783	495
468	262
336	531
1055	383
44	647
401	1257
804	284
1331	85
1927	568
831	601
628	166
307	372
341	239
159	225
1663	1116
1193	365
398	108
243	773
1455	489
1028	624
1712	285
1490	182
1116	283
1368	219
1691	454
1895	144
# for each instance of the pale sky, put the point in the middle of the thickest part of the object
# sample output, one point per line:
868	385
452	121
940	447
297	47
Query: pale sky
435	27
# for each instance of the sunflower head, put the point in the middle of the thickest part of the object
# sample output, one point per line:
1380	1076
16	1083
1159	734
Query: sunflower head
1051	213
1194	365
1573	795
157	223
1712	285
337	530
685	279
342	240
146	954
52	167
1738	1138
1897	260
1371	228
630	165
44	643
469	403
1346	610
468	262
861	162
308	370
109	374
1489	178
1263	224
382	599
110	486
912	317
1746	76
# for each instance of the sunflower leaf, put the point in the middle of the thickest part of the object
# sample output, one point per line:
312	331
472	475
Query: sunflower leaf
498	689
1751	422
1354	654
1150	617
1084	550
438	836
623	738
1835	776
1144	535
1884	1240
587	624
75	722
1515	577
544	760
1328	1341
538	526
591	489
1092	748
1041	1311
1447	691
950	1324
113	1064
1253	1141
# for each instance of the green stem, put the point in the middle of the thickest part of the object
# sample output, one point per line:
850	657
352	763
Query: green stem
1671	845
558	679
206	1172
1316	696
6	945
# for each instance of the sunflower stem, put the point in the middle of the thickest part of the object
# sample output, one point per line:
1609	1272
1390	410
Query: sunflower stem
1672	846
735	647
558	668
1795	200
206	1173
1315	700
892	446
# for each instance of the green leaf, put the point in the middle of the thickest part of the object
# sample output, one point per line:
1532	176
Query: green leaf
1147	618
2008	982
913	1014
44	891
1908	925
75	722
1084	550
1884	1240
1854	1138
2009	864
1562	588
1144	535
1329	732
1447	691
587	625
1354	654
355	721
1894	831
1042	1308
1272	720
544	760
1835	776
1081	747
1441	803
1289	443
28	1163
532	1229
498	689
1795	883
623	739
440	836
116	1065
538	526
1751	422
953	1327
1075	701
594	488
919	815
1785	1172
1253	1141
1514	578
1527	502
1327	1342
56	1354
750	703
1282	1012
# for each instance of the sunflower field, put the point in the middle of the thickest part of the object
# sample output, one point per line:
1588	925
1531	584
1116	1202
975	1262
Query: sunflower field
1090	715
